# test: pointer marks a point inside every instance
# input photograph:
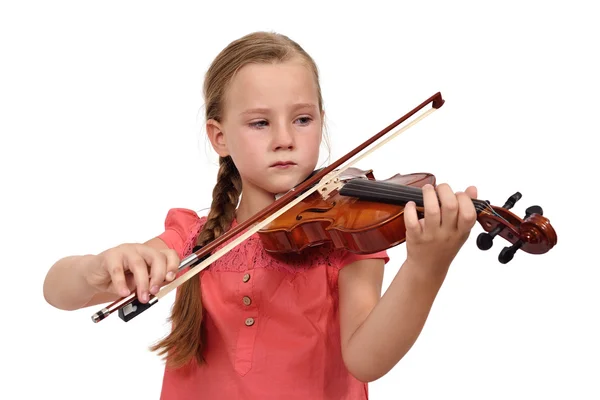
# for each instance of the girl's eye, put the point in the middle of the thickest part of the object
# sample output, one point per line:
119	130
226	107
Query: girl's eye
304	120
264	123
258	124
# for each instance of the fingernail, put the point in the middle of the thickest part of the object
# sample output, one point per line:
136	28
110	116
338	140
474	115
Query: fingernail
170	276
154	289
125	292
144	297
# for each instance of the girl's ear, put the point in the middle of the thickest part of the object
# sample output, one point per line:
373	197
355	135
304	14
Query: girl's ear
217	137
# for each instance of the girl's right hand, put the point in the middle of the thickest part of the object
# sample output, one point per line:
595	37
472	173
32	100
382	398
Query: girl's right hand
126	267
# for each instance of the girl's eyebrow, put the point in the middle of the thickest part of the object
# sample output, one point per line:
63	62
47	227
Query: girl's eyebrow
303	105
265	110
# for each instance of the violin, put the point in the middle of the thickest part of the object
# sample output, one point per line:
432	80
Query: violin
349	208
363	215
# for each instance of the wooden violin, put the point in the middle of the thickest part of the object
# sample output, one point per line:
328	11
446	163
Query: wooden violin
363	215
349	208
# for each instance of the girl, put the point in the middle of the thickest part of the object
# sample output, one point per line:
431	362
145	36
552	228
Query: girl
257	326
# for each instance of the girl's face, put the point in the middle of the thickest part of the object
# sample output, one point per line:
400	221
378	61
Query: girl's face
271	125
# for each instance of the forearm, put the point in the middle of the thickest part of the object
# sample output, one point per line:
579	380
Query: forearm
65	286
395	322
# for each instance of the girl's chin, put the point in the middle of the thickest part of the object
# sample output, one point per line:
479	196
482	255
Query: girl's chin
281	186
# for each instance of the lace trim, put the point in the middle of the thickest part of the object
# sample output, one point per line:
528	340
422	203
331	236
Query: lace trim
251	252
192	237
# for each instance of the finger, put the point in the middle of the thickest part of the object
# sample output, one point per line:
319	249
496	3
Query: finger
472	192
158	266
467	216
173	262
411	220
449	207
130	280
136	264
114	266
432	209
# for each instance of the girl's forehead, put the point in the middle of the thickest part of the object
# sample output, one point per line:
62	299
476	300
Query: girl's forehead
260	85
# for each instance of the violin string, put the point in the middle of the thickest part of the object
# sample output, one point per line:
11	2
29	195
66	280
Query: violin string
402	199
398	192
393	188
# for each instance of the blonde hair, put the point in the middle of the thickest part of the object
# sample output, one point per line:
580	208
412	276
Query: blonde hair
185	342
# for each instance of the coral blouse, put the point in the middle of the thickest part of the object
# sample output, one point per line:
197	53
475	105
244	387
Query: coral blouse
272	323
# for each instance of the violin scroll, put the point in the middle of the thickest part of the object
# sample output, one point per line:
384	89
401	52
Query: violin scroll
533	234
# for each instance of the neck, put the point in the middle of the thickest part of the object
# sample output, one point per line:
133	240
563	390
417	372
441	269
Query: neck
391	193
253	200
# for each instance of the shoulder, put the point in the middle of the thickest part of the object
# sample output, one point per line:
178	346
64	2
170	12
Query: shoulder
361	273
339	262
182	217
345	258
181	227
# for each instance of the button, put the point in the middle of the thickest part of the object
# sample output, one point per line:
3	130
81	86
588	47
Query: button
247	300
246	277
249	321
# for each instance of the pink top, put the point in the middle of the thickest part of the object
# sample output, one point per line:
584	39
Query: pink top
272	323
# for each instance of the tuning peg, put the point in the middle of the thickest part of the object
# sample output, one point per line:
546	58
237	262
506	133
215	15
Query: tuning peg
485	240
512	200
507	253
533	210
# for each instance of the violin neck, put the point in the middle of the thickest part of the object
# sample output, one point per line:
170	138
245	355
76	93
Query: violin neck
391	193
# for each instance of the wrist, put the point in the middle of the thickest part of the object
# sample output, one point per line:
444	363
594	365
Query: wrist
426	271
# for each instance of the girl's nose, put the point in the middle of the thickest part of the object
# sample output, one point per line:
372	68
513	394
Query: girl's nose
283	138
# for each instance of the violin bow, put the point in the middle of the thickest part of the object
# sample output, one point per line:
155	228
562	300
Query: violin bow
130	306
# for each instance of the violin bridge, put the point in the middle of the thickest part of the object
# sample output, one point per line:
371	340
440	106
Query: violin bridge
327	189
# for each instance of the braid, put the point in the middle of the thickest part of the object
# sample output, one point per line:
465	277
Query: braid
225	199
186	338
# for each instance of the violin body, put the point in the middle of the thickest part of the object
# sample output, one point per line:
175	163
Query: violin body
357	225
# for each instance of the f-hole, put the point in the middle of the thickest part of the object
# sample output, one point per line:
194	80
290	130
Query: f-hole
315	210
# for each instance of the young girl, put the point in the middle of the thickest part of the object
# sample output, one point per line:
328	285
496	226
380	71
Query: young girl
254	325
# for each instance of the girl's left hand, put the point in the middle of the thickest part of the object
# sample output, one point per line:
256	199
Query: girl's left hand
434	241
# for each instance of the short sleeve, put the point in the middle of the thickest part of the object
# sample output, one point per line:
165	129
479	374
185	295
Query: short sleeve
348	257
181	230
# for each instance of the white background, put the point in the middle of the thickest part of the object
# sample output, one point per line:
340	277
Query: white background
101	133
